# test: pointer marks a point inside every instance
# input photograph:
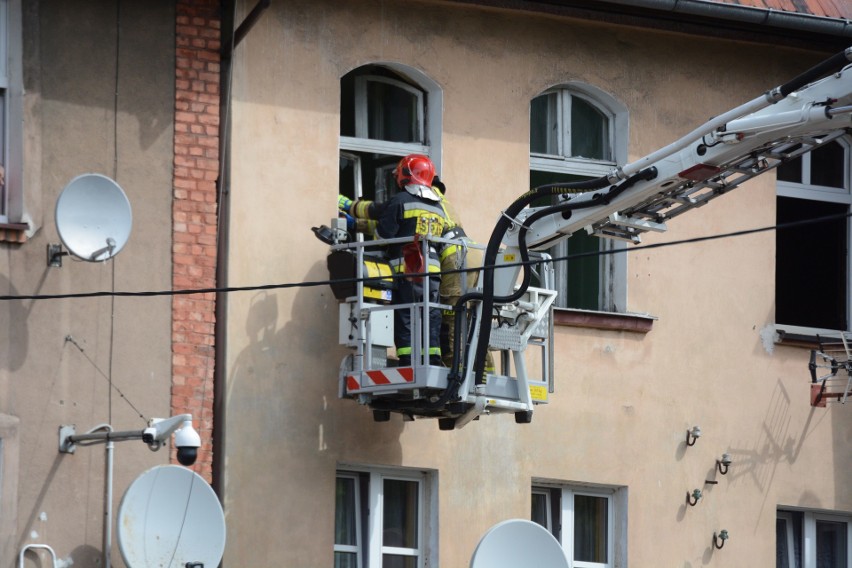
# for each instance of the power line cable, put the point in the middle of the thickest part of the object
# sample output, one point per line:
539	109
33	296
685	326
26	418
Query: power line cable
314	283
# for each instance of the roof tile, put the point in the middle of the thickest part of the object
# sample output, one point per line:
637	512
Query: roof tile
841	9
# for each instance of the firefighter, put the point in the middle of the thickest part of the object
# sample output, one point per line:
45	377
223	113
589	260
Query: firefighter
414	212
453	282
361	216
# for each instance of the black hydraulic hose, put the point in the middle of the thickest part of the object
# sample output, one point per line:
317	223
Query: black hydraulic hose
542	190
503	225
834	63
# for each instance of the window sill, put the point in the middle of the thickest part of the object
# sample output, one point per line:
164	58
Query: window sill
795	336
13	232
614	321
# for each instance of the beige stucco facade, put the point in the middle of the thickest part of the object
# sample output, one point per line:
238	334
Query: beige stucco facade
623	400
100	96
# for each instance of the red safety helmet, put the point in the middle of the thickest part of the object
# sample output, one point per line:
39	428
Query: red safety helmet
415	173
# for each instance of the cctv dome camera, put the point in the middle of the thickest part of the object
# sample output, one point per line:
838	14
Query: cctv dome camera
187	442
187	456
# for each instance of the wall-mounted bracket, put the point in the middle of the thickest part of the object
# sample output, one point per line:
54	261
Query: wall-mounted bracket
66	446
54	256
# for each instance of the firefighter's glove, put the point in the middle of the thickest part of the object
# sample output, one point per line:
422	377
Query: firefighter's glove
344	203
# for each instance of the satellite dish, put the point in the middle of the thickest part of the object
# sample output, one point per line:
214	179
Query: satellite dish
518	542
169	517
93	217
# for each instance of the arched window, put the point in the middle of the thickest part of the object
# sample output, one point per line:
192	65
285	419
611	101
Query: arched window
386	111
578	132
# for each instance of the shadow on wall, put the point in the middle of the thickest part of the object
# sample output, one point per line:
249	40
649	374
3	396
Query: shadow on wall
14	331
286	380
129	41
775	443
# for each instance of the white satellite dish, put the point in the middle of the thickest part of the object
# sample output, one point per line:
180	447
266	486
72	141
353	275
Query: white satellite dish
93	217
518	542
170	517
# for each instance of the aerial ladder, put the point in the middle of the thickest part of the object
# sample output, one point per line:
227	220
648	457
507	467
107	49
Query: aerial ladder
508	315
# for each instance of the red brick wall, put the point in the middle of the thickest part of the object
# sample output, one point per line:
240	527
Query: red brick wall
194	216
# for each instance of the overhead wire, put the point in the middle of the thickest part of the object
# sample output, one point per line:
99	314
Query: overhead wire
315	283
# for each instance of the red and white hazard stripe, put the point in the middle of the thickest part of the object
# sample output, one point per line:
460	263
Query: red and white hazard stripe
399	376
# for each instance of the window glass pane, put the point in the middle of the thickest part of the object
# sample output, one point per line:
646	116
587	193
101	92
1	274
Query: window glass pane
827	165
782	547
376	181
348	181
544	126
577	279
400	513
397	561
392	113
791	171
590	528
347	105
345	560
583	265
539	509
589	131
344	513
810	257
3	133
831	544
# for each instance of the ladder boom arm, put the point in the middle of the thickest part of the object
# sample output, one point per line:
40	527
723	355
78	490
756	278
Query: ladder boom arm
787	121
704	165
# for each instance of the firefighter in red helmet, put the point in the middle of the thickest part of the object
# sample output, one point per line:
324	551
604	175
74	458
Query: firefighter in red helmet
414	211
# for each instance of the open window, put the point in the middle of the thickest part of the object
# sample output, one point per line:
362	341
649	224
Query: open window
812	284
579	132
386	112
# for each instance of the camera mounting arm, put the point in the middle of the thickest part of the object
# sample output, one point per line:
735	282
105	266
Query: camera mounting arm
155	435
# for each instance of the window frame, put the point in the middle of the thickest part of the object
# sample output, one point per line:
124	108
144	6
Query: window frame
612	277
787	516
430	109
370	519
362	108
356	548
808	543
9	469
563	529
826	194
12	207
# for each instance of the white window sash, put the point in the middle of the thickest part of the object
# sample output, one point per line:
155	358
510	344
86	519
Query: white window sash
568	527
548	508
362	103
376	546
563	111
4	44
809	534
11	42
356	548
354	144
575	166
790	538
813	192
